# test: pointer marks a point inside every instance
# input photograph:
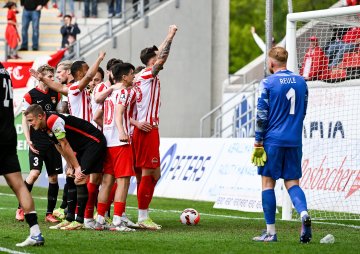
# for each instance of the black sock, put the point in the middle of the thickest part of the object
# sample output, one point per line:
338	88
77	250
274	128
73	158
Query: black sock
64	197
29	187
52	197
72	199
82	197
31	219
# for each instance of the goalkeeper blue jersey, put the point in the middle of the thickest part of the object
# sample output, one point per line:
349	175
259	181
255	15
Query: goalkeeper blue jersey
281	109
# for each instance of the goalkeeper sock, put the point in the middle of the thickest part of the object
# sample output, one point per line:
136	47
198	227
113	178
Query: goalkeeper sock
298	198
269	206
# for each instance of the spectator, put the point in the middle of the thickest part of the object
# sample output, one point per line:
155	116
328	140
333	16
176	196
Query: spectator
31	13
11	34
62	8
135	6
93	8
336	48
69	32
352	2
315	64
112	11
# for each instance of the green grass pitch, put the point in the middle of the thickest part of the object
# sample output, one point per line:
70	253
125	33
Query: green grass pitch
219	231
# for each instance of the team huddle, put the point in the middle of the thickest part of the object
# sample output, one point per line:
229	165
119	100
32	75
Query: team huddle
106	132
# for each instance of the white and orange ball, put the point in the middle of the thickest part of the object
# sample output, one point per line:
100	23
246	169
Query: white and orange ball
190	217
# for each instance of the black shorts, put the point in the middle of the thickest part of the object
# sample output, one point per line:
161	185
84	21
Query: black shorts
9	161
52	159
92	158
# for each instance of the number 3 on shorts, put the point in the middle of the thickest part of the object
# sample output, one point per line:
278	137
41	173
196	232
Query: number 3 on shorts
36	161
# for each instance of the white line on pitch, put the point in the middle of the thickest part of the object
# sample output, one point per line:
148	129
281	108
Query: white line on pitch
217	215
11	251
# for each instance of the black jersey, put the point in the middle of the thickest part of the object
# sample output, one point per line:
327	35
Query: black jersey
7	127
80	133
46	99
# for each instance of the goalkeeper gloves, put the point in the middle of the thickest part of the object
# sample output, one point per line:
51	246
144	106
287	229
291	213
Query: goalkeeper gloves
258	157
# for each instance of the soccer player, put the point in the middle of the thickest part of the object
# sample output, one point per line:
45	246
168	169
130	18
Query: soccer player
40	149
9	162
281	111
146	133
79	106
72	134
63	72
119	159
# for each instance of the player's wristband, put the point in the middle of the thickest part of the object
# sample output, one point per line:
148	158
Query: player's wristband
258	145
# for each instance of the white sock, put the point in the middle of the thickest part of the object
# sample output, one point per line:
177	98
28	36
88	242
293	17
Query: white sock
87	220
35	230
116	220
123	214
143	214
270	229
100	219
303	213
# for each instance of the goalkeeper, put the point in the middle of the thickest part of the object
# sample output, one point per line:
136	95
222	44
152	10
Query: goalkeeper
281	110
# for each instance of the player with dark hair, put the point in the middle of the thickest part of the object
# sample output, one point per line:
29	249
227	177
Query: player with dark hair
80	106
40	149
146	133
71	134
281	111
9	162
118	164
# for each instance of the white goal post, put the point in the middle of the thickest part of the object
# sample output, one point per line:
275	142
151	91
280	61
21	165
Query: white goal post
331	149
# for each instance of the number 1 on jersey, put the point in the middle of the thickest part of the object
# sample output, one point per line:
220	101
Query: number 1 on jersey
291	96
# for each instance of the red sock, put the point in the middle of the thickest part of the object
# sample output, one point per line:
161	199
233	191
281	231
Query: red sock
101	209
111	196
146	191
93	190
119	208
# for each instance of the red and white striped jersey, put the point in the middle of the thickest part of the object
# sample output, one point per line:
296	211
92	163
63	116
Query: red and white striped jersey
110	131
147	97
95	106
133	108
79	102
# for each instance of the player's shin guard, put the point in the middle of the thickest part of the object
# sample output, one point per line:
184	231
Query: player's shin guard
71	199
269	205
82	198
298	198
146	191
93	191
52	197
64	197
119	208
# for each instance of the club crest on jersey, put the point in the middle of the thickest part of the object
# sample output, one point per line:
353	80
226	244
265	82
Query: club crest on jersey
155	160
53	100
47	107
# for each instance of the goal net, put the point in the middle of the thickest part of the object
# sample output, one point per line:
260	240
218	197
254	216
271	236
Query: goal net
324	47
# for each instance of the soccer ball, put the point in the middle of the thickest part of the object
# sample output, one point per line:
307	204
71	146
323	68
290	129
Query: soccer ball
190	217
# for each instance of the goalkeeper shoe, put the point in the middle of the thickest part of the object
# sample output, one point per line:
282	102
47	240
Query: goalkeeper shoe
59	213
50	218
73	226
306	234
19	214
149	224
62	224
32	241
265	237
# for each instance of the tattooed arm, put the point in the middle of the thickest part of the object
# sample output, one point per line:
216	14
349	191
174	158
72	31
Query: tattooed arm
164	51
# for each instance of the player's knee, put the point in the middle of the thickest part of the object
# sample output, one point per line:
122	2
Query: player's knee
53	179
